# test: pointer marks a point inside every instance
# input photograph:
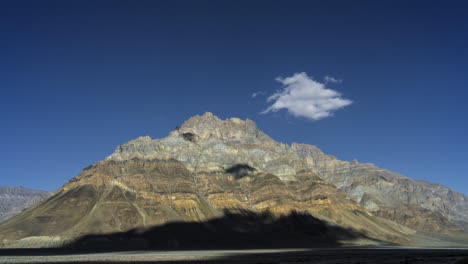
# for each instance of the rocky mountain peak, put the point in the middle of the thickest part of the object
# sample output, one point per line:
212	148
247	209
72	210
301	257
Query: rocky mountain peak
204	134
205	121
233	130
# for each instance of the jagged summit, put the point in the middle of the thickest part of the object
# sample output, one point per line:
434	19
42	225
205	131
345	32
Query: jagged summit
206	142
207	120
232	130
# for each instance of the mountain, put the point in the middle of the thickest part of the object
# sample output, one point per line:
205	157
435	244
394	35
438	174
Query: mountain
13	200
209	165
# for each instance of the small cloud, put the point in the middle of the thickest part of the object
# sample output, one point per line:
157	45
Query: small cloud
329	79
257	94
304	97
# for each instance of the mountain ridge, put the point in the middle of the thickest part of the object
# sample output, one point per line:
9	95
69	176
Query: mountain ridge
209	165
13	200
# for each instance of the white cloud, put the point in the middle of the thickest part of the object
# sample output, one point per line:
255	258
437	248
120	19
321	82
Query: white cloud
304	97
329	79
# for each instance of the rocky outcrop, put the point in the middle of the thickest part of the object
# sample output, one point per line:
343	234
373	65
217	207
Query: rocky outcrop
13	200
209	165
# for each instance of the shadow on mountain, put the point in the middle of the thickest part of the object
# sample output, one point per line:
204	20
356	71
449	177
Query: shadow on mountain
242	229
235	230
189	137
240	170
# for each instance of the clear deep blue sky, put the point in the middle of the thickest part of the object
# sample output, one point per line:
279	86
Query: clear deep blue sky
78	78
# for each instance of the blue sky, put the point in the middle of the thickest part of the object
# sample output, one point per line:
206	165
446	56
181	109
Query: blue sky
78	78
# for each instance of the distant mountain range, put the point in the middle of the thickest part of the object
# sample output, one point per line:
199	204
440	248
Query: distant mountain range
210	166
13	200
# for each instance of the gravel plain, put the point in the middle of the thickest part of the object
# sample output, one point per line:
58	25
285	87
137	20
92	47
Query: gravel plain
321	256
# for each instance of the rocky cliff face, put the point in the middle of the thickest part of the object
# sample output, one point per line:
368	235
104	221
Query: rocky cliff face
13	200
209	165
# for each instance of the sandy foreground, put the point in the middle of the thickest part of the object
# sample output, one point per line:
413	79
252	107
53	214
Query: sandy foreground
325	256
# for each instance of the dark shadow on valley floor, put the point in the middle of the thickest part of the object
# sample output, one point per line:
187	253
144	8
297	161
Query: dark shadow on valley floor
241	229
234	230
